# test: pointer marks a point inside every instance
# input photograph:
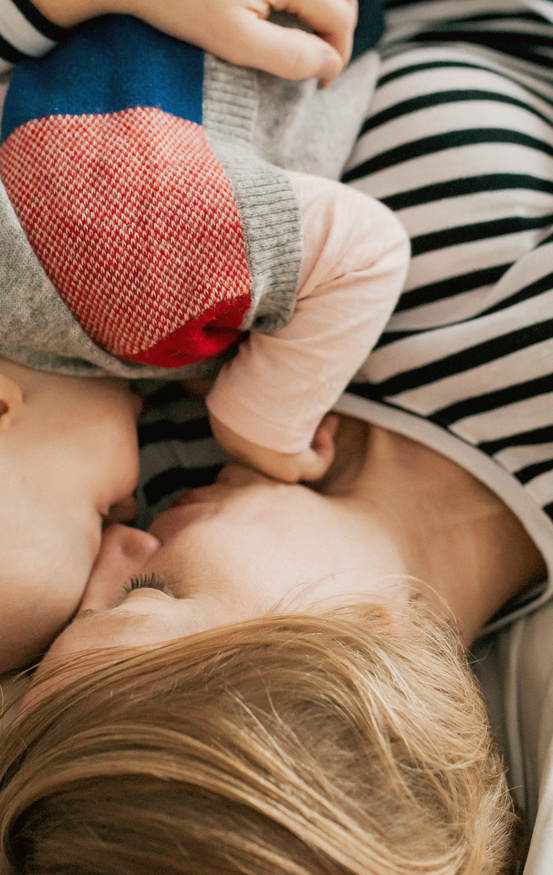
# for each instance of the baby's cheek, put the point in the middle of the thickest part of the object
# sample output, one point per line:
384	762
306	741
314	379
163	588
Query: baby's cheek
64	588
30	620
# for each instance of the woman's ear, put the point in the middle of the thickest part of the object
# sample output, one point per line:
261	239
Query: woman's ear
11	399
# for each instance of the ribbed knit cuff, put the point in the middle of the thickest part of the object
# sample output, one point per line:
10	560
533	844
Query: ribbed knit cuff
266	201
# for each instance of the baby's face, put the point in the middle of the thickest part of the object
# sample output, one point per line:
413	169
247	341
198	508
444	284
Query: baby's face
68	455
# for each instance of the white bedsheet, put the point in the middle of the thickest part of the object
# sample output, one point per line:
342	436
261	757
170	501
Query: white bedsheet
515	667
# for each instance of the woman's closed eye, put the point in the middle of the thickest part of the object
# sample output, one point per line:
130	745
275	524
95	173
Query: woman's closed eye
157	584
146	581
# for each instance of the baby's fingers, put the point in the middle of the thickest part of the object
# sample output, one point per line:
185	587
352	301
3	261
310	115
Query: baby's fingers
333	20
284	51
317	460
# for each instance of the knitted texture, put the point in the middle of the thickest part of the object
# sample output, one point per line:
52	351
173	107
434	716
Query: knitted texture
144	214
129	211
149	255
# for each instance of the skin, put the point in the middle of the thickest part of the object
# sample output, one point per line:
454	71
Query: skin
391	521
309	464
68	463
256	42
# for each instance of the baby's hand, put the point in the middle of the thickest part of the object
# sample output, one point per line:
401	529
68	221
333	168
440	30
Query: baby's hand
237	30
311	464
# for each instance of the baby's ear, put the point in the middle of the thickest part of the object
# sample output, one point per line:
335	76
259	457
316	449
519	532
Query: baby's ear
11	399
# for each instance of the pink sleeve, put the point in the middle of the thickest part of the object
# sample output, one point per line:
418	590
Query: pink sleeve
279	386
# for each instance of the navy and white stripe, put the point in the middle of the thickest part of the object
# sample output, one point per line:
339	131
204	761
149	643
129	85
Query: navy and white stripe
459	142
24	32
177	449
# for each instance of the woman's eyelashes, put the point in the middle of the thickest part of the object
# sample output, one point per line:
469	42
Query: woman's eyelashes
145	581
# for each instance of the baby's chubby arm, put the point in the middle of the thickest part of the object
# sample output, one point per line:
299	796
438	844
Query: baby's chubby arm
309	464
238	30
268	404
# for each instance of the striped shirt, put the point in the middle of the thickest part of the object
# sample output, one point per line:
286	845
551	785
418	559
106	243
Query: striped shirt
459	142
24	32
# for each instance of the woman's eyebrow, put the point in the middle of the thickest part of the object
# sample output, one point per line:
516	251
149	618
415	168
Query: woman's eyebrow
89	612
101	613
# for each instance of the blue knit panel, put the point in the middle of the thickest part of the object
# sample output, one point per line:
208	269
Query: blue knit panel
110	64
370	26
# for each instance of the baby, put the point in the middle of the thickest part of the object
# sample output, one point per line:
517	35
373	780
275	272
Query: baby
135	166
68	454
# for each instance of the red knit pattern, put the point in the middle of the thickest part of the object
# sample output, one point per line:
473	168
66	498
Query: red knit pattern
136	225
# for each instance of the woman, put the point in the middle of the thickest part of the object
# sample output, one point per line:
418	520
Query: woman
315	740
441	493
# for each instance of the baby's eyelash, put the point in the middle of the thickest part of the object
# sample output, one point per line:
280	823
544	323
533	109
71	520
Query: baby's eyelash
144	581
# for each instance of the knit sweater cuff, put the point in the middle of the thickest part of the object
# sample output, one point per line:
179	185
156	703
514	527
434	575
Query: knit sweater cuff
268	207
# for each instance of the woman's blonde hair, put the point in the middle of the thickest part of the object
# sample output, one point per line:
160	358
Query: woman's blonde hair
289	745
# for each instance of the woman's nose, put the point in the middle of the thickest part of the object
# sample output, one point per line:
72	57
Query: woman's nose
124	552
